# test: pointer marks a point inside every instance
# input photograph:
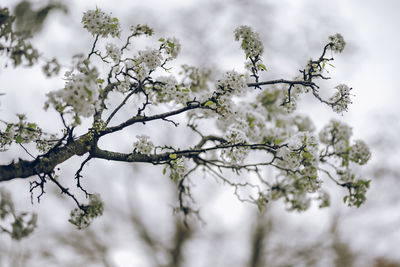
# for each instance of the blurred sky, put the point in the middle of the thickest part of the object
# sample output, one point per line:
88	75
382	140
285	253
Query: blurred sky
292	31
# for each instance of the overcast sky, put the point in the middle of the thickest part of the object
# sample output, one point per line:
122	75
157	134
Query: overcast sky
292	31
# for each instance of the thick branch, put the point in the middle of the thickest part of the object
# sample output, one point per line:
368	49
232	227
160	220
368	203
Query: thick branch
165	157
304	83
44	164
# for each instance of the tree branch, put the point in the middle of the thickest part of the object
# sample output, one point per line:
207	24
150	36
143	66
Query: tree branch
304	83
143	119
46	163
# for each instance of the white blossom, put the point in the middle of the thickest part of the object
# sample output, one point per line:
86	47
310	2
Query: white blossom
310	171
232	83
236	154
287	158
81	92
337	43
145	62
150	57
172	47
359	152
335	131
169	90
129	64
303	123
113	52
178	169
99	23
251	42
143	145
341	146
347	176
341	99
124	85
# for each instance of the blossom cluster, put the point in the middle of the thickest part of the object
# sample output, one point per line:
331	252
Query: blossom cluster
303	123
150	57
298	160
196	78
334	132
304	140
171	46
255	124
337	134
6	138
287	158
145	62
82	218
236	154
21	132
309	154
294	190
291	97
99	23
22	224
337	43
251	42
167	90
143	145
341	99
241	117
357	188
178	169
300	153
81	92
359	152
232	83
113	52
26	132
51	68
138	30
124	85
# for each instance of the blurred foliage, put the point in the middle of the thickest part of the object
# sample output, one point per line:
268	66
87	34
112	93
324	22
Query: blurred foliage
30	21
267	245
21	224
17	30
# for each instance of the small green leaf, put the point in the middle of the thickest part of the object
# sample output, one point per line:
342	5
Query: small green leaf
171	44
99	80
262	66
208	103
87	91
18	139
172	156
164	171
32	126
161	40
260	207
345	199
176	177
331	65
